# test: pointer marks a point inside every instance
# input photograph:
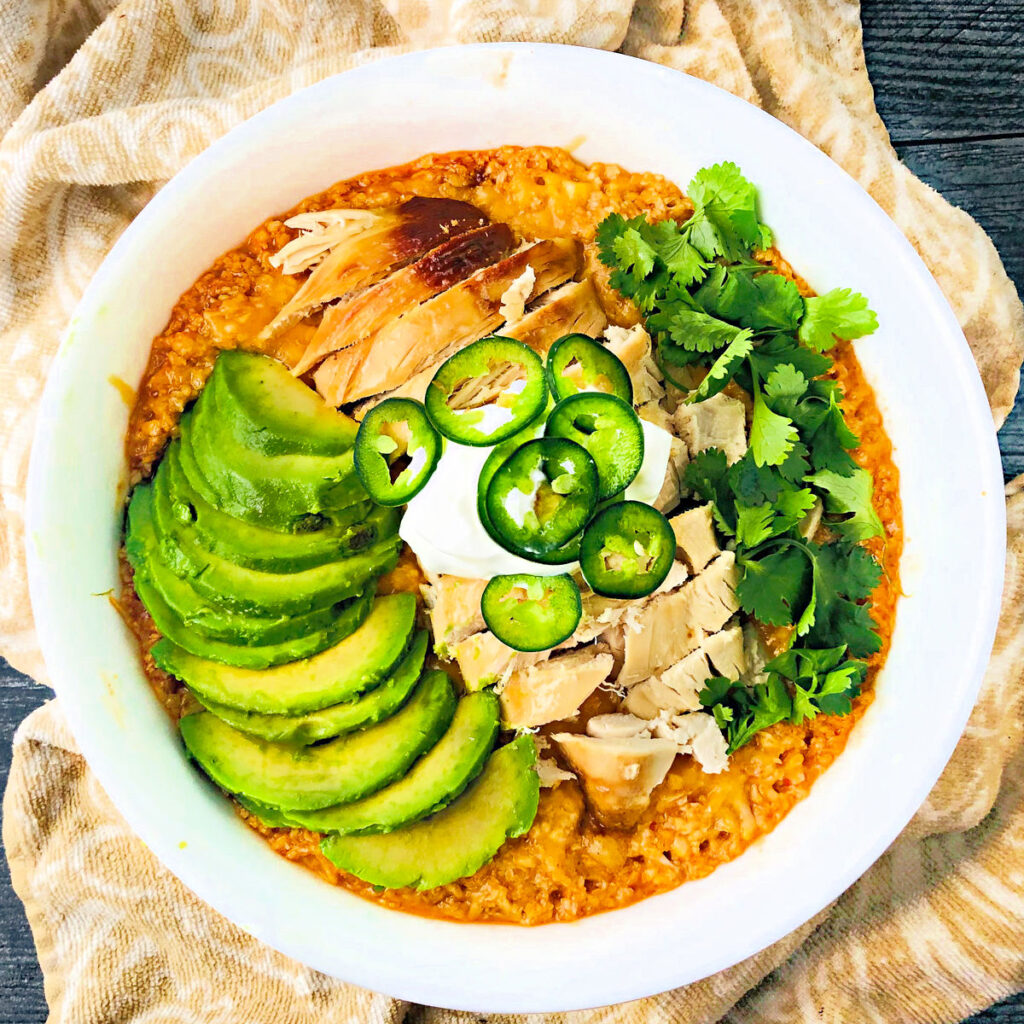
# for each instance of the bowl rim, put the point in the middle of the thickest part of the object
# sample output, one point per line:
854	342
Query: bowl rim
503	994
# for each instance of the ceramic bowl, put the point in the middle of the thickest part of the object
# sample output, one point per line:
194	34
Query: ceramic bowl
607	108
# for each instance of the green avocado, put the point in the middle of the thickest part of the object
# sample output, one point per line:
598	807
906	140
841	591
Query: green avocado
275	491
371	708
339	673
432	783
189	619
179	506
271	594
455	842
187	553
343	769
346	618
273	412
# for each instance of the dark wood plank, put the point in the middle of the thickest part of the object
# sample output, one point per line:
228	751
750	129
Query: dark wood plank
945	69
21	982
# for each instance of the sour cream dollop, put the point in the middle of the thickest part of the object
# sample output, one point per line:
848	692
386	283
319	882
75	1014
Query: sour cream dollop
443	529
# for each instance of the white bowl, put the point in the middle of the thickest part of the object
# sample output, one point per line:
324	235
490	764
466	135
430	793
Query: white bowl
645	117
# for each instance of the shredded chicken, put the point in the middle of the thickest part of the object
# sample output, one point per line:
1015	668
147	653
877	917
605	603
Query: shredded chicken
695	537
719	422
516	295
319	232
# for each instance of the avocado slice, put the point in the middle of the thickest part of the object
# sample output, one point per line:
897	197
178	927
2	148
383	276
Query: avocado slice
266	595
187	554
276	491
432	783
455	842
179	506
347	768
340	673
347	617
189	619
371	708
273	412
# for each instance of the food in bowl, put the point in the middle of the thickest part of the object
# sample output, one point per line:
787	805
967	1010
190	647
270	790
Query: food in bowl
513	539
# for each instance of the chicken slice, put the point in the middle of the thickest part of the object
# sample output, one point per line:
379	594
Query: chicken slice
554	689
718	422
572	308
463	313
695	537
358	319
453	603
396	236
674	624
633	346
618	775
678	688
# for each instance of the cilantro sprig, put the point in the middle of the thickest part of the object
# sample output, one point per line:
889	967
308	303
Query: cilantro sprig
715	305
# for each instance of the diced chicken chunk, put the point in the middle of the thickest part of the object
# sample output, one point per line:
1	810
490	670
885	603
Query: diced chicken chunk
677	689
674	487
618	775
549	771
719	422
697	734
552	690
483	659
453	603
617	726
695	537
633	346
672	625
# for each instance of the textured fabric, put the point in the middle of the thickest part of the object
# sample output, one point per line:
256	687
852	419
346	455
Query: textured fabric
101	103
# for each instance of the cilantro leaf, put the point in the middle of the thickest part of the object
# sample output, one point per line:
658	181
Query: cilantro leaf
725	212
845	575
707	474
773	586
691	329
753	524
785	382
772	436
830	442
840	313
784	349
633	253
723	368
849	497
751	296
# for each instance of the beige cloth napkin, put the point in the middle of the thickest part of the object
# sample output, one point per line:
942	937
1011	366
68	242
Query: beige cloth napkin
94	123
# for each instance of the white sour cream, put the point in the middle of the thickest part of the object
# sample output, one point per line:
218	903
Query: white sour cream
443	529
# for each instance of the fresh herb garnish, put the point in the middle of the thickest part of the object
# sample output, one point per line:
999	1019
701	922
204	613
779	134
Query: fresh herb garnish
715	305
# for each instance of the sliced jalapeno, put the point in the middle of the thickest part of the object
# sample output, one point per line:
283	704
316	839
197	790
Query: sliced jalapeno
396	450
609	429
531	613
627	550
487	391
579	363
541	496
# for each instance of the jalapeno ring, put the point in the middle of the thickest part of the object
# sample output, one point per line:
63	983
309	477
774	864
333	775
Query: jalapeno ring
627	550
577	363
531	613
396	451
487	391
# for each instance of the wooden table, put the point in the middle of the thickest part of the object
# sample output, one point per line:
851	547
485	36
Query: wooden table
947	76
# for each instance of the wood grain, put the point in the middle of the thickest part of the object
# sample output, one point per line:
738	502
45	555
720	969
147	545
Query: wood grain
947	77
